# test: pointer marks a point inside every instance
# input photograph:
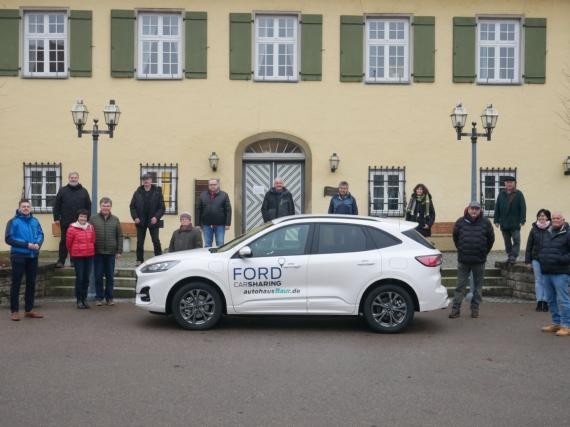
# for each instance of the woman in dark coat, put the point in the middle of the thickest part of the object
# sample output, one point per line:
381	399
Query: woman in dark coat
420	209
533	246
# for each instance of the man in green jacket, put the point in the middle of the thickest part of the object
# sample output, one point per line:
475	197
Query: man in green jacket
108	247
510	215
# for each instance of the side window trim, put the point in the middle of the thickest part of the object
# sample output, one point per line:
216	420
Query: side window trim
314	249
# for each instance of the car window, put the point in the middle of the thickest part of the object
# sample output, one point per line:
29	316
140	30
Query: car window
285	241
382	239
337	238
238	240
417	237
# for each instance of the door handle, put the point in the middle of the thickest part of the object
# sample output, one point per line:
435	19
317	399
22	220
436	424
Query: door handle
366	262
292	266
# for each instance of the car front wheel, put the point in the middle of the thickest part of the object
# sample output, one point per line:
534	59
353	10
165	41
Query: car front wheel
197	306
388	309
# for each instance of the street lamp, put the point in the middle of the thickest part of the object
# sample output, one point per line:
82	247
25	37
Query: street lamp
79	113
489	120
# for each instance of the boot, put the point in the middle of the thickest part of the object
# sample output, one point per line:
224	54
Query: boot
85	305
563	332
474	313
544	306
550	328
454	313
539	306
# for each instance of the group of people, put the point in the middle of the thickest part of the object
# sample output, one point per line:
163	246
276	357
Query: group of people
97	240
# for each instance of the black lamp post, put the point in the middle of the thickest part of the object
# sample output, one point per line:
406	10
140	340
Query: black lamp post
489	120
79	113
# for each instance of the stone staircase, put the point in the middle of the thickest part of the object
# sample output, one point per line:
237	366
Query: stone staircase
62	283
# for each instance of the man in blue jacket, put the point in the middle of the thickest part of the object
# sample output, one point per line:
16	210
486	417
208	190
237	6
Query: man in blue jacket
343	202
25	236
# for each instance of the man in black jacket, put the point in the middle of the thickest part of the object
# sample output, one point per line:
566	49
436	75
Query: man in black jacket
214	213
554	257
277	202
473	236
68	201
147	208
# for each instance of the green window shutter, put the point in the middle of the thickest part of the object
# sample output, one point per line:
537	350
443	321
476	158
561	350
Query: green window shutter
196	61
424	48
80	43
122	43
240	46
9	45
351	48
535	50
464	50
311	47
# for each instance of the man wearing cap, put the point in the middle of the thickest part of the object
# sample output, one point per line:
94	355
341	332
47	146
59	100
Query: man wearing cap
147	207
473	236
186	237
510	215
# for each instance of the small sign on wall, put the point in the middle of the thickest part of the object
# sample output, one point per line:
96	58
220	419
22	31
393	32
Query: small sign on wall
330	191
259	189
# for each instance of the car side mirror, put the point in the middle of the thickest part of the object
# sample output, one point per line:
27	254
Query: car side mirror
245	252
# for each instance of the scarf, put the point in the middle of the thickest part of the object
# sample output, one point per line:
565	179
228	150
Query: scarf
543	226
78	225
424	199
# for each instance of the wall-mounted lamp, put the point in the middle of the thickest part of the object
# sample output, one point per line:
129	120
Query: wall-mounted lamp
214	160
334	161
566	164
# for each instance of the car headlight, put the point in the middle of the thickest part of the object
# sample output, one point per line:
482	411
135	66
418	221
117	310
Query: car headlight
159	266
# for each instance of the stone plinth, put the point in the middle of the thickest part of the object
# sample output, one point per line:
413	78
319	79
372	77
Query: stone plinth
519	278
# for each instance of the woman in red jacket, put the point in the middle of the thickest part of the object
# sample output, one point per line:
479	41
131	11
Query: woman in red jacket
80	242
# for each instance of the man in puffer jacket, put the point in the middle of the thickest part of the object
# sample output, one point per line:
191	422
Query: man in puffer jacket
24	234
343	203
277	202
473	236
554	257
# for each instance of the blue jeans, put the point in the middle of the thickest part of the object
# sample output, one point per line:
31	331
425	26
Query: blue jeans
82	271
556	287
104	266
538	281
21	265
211	230
512	240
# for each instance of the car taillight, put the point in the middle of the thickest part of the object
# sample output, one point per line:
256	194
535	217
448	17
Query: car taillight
430	260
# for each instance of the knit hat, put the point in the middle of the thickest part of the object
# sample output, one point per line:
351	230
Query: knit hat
185	215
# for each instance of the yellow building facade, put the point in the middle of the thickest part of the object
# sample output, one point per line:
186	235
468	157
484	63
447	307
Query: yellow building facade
363	79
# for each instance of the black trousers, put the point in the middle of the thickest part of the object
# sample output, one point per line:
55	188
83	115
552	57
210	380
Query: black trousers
23	265
141	235
62	245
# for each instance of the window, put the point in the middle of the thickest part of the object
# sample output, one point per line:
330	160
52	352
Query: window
386	191
159	43
286	241
418	238
340	238
381	239
498	51
492	182
276	48
165	176
45	44
387	50
41	184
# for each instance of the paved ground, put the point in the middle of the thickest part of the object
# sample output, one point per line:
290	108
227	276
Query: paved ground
122	366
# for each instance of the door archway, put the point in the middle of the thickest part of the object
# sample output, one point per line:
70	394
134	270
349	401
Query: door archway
259	159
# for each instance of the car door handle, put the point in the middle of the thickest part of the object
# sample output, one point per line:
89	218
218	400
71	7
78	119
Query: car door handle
292	266
366	262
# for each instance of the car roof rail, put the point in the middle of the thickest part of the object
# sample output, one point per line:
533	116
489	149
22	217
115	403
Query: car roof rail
328	216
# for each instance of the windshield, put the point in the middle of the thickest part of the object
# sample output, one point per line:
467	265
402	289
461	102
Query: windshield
238	240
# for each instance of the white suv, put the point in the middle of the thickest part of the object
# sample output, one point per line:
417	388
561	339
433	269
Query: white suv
381	269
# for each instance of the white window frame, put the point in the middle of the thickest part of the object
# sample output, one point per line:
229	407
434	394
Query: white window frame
497	173
386	172
171	199
276	41
45	37
43	168
386	43
497	44
160	39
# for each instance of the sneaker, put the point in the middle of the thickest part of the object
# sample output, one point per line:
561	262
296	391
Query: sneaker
550	328
15	316
33	315
474	313
138	263
454	314
563	332
99	303
110	302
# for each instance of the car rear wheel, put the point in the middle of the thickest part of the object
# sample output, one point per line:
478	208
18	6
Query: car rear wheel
197	306
388	309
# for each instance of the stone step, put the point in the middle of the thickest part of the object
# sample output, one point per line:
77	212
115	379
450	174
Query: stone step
489	281
489	291
69	281
489	272
69	291
119	272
